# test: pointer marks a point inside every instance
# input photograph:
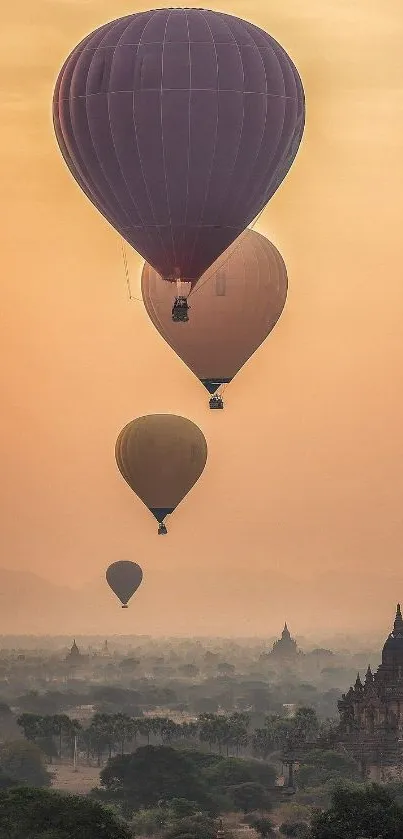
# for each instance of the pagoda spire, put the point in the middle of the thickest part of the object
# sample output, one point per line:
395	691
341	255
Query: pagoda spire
358	683
368	676
398	624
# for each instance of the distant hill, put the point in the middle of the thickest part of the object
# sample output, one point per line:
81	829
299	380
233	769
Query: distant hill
199	602
30	604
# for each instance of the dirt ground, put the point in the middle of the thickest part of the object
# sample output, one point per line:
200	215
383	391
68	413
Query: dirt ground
80	782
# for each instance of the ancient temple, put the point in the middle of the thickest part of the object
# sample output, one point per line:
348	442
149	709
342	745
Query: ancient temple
285	649
74	653
371	712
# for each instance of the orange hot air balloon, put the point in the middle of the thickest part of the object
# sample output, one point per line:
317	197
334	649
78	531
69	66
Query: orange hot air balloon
235	306
161	456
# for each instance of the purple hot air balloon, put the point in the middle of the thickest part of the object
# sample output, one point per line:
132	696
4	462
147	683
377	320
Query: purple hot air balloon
179	125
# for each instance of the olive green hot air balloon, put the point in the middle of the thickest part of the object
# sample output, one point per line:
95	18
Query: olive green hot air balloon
161	456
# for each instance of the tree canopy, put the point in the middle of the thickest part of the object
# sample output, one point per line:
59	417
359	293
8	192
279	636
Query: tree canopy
161	773
368	810
153	773
23	763
249	797
323	765
46	814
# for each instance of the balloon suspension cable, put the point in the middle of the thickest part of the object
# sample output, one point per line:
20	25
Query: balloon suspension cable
230	255
126	270
216	401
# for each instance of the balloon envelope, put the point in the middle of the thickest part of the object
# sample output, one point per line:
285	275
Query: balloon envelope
161	456
179	125
124	579
234	308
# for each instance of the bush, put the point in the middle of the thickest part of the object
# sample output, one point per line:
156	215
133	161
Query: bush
263	826
359	810
320	766
295	830
24	763
234	771
148	822
199	826
249	797
152	773
27	813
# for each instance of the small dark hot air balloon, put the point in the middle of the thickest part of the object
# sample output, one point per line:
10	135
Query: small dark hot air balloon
235	306
161	456
179	125
124	578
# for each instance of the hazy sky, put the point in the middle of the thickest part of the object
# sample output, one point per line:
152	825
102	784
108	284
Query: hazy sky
305	463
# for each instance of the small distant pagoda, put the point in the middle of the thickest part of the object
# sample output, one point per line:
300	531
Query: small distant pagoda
285	649
74	655
371	713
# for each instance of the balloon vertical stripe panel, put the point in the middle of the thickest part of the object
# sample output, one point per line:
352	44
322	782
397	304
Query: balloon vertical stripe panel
179	125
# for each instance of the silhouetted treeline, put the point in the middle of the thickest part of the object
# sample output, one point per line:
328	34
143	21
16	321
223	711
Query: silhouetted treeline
110	734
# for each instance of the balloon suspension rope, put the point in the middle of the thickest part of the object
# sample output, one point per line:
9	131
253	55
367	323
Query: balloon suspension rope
199	284
126	270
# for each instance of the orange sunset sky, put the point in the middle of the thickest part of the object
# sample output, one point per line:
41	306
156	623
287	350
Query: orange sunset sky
299	513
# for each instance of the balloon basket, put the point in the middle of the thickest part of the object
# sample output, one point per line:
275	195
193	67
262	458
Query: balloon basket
216	403
180	310
162	529
125	606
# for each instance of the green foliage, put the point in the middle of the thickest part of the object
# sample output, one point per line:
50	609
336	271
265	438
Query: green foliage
198	826
249	797
112	733
149	822
23	762
181	808
48	746
263	826
34	813
225	732
395	788
321	766
228	772
366	810
306	725
295	830
53	732
315	796
204	760
291	733
291	812
5	781
153	773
